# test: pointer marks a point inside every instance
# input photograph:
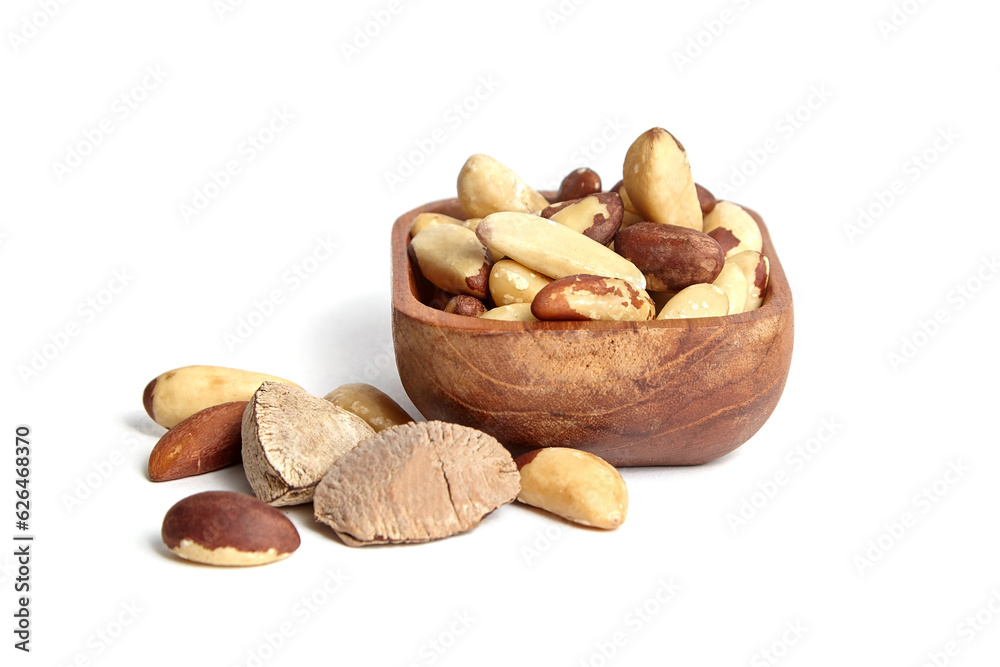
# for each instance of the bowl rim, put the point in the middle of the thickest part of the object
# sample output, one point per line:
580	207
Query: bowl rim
777	297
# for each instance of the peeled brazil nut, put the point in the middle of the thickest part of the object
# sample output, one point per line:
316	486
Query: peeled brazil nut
207	440
465	305
515	312
579	183
659	182
374	406
486	186
702	300
425	220
291	438
671	257
756	270
553	250
585	297
732	281
513	282
172	397
733	228
227	528
595	216
573	484
452	258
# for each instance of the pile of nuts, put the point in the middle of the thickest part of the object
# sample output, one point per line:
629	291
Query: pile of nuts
372	474
656	245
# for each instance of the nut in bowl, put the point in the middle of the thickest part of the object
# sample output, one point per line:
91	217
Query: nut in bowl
636	393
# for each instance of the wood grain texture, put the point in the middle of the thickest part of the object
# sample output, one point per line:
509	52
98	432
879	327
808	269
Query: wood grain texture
665	392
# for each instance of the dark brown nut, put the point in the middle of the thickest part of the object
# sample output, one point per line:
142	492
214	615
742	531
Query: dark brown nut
452	258
291	438
463	304
205	441
579	183
733	228
659	182
671	257
227	528
595	216
414	483
706	199
586	297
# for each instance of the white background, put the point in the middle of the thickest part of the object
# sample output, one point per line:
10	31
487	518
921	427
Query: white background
817	554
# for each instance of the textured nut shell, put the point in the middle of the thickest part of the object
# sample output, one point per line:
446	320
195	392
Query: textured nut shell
733	228
579	183
702	300
756	269
584	297
172	397
732	281
414	483
513	282
425	220
515	312
552	249
452	258
227	528
659	182
575	485
487	186
291	438
374	406
595	216
205	441
671	257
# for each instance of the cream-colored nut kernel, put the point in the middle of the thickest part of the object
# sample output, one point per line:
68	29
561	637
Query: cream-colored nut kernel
573	484
595	216
372	405
472	224
701	300
554	250
487	186
756	269
515	312
172	397
733	228
659	182
425	220
452	258
586	297
732	281
513	282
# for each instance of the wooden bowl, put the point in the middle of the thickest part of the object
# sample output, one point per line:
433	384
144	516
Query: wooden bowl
665	392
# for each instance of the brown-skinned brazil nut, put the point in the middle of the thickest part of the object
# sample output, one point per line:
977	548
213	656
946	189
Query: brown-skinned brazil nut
671	257
579	183
228	528
586	297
